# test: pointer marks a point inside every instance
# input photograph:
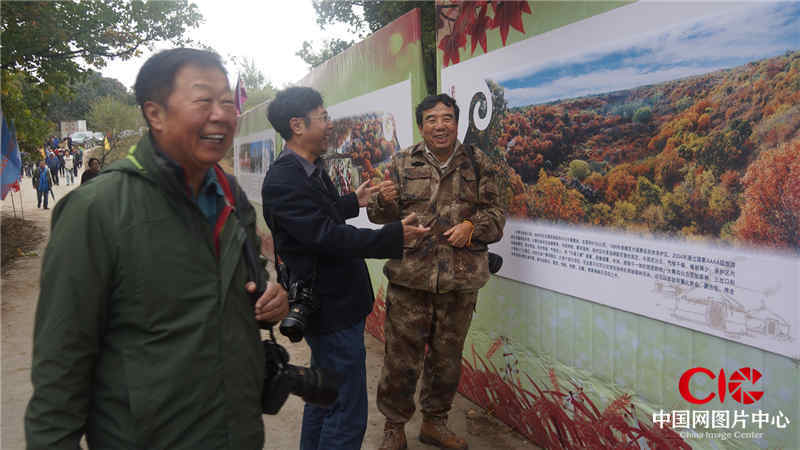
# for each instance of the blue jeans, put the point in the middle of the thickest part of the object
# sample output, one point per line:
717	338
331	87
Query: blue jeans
342	425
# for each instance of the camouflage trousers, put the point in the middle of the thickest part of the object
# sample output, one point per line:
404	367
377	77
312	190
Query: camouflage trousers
414	319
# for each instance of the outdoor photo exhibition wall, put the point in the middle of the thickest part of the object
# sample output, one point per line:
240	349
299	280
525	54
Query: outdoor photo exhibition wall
651	159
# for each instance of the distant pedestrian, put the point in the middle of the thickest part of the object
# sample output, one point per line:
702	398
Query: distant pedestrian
69	167
91	171
60	153
43	183
78	160
53	165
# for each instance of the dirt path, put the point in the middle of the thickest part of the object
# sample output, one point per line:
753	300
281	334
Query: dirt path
20	288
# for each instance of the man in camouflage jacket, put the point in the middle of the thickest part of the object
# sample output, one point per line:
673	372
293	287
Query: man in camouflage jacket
433	288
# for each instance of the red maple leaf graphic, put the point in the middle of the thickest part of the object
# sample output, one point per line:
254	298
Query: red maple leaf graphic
450	45
466	15
477	29
509	13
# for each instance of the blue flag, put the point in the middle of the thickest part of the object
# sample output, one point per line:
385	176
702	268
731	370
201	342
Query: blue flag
11	166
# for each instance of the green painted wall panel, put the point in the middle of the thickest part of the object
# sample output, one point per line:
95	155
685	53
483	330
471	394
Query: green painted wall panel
565	331
626	341
650	359
583	335
603	342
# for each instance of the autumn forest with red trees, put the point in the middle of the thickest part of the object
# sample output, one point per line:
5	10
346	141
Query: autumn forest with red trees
715	156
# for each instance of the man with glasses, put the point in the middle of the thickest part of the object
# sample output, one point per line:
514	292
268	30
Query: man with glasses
307	217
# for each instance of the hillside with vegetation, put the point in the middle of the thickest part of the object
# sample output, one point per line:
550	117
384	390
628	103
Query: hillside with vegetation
715	156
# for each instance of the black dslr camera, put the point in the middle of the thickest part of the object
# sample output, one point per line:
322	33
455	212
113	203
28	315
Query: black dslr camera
302	304
313	385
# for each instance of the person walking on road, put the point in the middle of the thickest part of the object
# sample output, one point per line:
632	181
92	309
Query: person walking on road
69	167
53	164
43	183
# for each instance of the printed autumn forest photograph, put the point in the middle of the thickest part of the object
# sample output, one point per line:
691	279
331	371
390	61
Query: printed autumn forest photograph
691	132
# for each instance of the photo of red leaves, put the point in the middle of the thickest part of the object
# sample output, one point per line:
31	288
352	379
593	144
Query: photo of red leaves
457	20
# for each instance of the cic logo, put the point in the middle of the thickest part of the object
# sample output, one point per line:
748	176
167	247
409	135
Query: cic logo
735	385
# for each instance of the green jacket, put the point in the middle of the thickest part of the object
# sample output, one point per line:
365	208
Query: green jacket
144	339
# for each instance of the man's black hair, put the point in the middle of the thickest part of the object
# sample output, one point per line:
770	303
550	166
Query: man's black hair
431	101
156	78
295	101
92	159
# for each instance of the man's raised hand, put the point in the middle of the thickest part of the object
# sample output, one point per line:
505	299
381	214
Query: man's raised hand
365	191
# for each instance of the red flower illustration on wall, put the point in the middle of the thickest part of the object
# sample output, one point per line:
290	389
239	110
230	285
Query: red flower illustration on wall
455	20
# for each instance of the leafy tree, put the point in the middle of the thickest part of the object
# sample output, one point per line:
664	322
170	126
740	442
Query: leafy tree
579	169
676	208
722	205
624	212
259	89
112	116
551	200
23	103
75	104
252	77
771	210
600	214
45	39
621	184
647	193
653	216
330	48
643	115
49	44
368	16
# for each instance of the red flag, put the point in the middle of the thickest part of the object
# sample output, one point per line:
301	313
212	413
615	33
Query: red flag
240	97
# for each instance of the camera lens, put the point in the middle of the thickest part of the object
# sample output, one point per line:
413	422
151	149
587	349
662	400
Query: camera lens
294	325
315	385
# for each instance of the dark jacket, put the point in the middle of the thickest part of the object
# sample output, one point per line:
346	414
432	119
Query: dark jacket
144	337
52	162
35	179
88	175
307	218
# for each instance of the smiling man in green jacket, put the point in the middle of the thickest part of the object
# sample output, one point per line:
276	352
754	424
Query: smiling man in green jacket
146	335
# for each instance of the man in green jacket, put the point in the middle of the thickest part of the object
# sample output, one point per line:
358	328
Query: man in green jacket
149	339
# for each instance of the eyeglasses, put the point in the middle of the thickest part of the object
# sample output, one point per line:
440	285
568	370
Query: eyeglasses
324	116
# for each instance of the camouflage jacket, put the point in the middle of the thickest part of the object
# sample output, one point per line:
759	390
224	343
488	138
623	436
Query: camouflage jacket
441	199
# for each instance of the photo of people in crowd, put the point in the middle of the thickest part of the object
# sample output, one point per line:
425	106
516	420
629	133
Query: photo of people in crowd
358	146
253	154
